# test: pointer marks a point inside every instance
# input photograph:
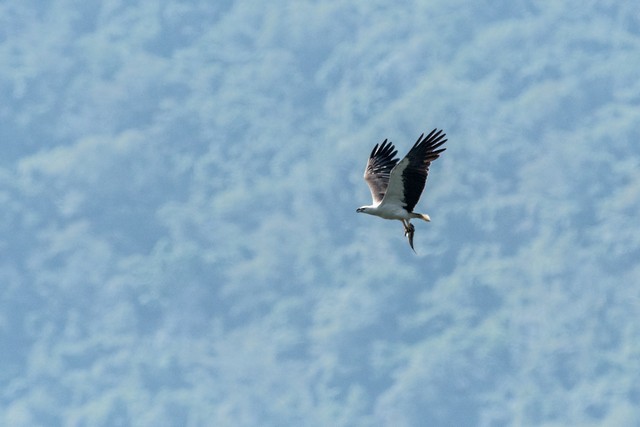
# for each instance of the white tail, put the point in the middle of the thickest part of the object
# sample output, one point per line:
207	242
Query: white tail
424	217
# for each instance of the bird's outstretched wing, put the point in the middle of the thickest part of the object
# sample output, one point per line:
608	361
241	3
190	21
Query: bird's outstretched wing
381	162
408	177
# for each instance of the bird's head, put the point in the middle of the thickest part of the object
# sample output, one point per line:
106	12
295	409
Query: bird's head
363	209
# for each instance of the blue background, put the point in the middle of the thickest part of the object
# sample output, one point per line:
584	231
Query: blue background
178	237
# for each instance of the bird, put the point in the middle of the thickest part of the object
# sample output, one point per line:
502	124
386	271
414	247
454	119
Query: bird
396	186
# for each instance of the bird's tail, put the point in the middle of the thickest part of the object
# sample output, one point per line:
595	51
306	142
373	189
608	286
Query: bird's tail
423	217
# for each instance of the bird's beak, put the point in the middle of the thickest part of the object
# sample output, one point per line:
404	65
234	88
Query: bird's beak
359	210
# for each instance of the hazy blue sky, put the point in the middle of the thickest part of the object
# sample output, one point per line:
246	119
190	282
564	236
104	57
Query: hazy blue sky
179	243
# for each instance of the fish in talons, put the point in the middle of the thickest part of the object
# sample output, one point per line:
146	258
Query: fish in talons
409	229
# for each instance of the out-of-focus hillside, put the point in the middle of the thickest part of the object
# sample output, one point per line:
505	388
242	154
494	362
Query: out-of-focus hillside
179	238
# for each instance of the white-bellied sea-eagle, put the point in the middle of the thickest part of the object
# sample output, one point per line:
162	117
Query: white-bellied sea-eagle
395	185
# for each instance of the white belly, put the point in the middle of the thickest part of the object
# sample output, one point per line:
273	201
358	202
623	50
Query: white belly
391	212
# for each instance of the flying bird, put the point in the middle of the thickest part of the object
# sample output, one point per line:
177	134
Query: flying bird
395	185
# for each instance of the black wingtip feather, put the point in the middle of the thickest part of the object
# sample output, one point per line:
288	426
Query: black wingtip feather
433	140
374	151
386	149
